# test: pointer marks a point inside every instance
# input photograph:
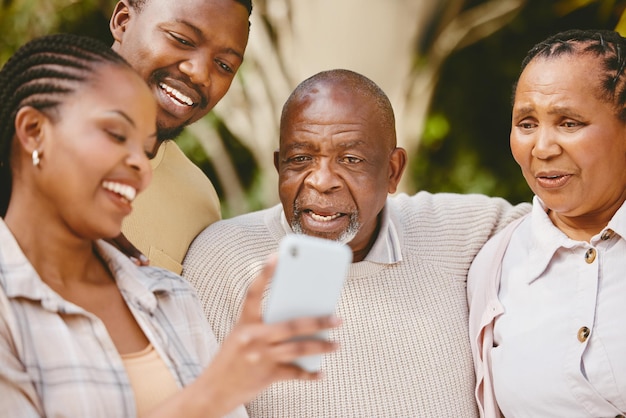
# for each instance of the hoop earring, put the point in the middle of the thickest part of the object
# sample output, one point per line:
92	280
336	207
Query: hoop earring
36	158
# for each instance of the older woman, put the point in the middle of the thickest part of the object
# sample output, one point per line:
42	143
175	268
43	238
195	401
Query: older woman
83	331
548	294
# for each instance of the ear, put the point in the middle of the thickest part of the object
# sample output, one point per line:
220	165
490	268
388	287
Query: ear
397	164
276	159
29	129
119	20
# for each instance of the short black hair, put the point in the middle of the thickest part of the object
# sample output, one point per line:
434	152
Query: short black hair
138	4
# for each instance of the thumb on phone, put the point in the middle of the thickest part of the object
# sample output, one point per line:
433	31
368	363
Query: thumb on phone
251	311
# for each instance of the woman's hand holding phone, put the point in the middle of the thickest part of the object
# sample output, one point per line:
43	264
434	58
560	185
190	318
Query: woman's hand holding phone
257	353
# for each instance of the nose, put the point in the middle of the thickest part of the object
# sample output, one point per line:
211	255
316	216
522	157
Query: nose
323	177
546	144
139	162
197	69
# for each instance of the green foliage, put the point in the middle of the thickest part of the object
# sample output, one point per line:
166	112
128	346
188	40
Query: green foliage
474	94
22	20
242	159
465	145
436	128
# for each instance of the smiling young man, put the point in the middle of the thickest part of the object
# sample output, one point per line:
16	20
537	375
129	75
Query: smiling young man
188	52
404	340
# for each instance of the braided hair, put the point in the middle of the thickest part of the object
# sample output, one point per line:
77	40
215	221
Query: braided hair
607	45
40	74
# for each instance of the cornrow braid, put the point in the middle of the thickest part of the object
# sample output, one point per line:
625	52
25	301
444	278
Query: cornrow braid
40	74
608	45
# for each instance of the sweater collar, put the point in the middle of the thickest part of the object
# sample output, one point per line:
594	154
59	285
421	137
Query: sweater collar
387	248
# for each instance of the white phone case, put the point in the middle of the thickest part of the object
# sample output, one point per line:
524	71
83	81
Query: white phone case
307	282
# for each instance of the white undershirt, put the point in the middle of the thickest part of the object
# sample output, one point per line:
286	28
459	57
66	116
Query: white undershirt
550	292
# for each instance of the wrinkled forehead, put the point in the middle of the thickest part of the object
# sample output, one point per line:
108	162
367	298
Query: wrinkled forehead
325	100
577	69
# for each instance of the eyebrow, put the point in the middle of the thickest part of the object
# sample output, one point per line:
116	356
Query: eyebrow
556	110
564	110
352	144
306	145
125	116
523	110
300	146
200	34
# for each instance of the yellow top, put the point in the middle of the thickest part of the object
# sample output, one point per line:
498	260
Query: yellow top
151	380
179	203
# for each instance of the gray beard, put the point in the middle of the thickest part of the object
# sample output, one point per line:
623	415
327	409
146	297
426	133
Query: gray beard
345	237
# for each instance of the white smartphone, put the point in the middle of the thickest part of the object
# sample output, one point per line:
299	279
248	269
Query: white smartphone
307	282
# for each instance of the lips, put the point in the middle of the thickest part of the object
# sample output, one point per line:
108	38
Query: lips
177	98
552	180
124	191
176	95
324	221
323	217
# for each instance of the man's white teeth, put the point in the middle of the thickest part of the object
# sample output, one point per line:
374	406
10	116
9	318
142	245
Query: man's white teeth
124	190
176	94
321	218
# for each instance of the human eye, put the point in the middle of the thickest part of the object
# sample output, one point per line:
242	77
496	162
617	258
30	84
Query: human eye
350	159
298	159
116	135
526	124
224	66
181	40
571	124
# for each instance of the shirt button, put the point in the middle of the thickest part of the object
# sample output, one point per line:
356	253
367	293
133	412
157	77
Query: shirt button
606	235
590	255
619	416
583	334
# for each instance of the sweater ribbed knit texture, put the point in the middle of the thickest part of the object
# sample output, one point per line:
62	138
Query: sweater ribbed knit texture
404	348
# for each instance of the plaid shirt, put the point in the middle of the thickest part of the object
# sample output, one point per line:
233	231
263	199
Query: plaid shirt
56	359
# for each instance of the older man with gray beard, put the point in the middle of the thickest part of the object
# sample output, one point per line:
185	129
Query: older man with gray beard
404	347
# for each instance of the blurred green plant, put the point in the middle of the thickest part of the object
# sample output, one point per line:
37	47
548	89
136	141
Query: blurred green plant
474	97
464	142
22	20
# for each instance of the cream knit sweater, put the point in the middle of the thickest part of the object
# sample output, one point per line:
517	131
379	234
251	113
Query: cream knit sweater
404	348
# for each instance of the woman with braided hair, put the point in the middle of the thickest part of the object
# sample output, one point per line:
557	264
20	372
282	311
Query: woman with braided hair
84	332
547	294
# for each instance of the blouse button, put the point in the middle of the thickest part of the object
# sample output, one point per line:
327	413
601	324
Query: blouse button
583	334
606	235
590	255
